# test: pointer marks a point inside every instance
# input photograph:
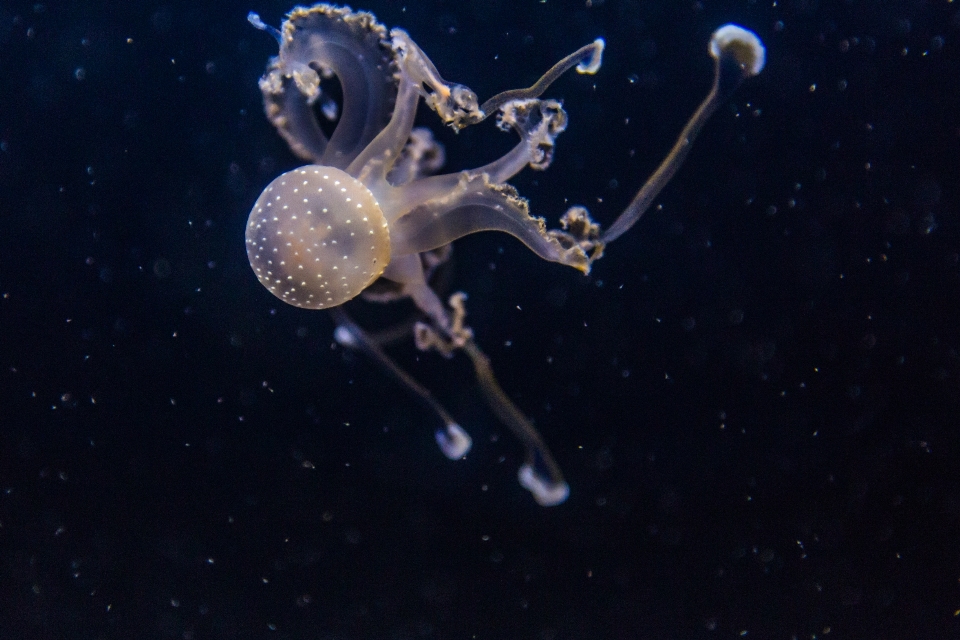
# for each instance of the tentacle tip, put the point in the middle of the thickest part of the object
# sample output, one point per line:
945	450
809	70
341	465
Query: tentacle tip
744	45
453	441
345	337
546	492
592	64
254	18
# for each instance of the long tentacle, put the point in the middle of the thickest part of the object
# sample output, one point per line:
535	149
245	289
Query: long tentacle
452	439
738	55
540	475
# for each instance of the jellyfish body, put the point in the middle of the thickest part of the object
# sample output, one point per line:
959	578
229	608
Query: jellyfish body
316	237
367	213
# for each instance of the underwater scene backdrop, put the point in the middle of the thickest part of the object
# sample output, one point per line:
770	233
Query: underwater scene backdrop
753	396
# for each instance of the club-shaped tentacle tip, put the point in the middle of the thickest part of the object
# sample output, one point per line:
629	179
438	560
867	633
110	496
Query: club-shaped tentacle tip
741	43
545	492
345	337
453	441
592	64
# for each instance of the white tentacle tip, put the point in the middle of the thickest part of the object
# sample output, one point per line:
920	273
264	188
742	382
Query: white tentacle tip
592	64
743	44
453	441
545	492
345	337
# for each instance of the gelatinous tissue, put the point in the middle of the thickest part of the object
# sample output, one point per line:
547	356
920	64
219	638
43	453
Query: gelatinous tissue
370	216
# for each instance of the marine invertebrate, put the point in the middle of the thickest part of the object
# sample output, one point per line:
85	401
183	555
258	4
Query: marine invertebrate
368	218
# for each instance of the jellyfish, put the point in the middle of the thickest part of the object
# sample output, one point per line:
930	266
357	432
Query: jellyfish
371	218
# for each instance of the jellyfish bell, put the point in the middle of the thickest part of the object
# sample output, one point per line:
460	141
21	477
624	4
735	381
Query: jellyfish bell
316	237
